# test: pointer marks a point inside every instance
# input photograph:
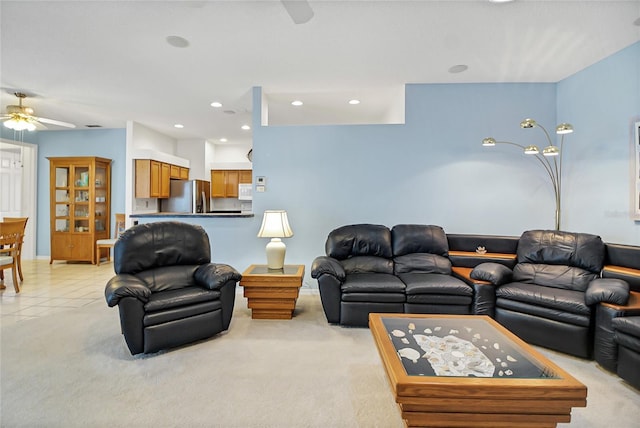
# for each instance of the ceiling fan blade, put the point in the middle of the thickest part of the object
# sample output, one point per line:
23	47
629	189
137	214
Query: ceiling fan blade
38	125
55	122
299	10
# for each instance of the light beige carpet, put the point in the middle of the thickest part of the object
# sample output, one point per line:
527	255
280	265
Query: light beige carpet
73	370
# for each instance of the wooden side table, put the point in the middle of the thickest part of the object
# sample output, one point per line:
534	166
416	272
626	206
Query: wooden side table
272	293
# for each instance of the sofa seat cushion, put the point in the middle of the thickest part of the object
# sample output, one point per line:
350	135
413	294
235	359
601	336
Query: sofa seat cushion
546	297
181	297
372	283
433	283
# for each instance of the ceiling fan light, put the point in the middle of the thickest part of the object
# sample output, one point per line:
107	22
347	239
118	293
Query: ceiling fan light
551	151
19	124
564	128
531	150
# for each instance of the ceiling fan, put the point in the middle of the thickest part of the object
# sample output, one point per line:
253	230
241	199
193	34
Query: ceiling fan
20	118
299	10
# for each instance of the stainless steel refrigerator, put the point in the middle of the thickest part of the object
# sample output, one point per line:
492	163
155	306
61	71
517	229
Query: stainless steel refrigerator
187	196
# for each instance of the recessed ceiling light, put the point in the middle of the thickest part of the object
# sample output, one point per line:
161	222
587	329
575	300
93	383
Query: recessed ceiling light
223	140
216	104
229	111
177	41
500	1
354	102
296	103
246	127
458	68
178	125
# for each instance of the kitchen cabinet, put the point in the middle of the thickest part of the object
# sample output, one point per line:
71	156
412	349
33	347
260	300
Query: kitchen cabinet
246	176
152	179
184	173
80	205
174	172
224	183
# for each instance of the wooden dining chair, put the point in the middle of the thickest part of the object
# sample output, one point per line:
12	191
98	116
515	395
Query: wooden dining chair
22	220
108	244
11	233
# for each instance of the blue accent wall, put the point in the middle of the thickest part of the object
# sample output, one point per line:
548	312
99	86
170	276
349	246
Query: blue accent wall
431	170
602	102
106	143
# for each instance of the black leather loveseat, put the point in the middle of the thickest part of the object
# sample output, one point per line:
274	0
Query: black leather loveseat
370	268
166	288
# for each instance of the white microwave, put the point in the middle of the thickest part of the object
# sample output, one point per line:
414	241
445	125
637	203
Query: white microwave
245	192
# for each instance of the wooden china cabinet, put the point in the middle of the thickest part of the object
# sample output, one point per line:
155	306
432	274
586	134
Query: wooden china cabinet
80	206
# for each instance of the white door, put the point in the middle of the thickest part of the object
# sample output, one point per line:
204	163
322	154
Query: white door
18	188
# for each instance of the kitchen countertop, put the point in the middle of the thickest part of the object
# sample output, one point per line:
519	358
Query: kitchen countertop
190	215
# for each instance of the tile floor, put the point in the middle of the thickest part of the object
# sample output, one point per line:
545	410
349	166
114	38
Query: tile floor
51	288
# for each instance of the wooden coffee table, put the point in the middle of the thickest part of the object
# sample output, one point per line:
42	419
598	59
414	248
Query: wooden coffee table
469	371
272	293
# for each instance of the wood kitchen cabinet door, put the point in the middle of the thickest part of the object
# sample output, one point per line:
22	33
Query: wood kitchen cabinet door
165	180
218	189
245	176
231	184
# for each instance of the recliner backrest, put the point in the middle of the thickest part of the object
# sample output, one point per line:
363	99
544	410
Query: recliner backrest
420	248
361	248
559	259
161	244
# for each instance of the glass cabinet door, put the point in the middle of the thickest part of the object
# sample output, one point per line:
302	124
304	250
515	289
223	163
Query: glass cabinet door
101	211
81	199
62	199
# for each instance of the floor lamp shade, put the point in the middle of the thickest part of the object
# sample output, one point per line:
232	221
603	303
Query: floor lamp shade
275	225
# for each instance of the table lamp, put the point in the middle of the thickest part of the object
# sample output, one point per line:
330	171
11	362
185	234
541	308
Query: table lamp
275	225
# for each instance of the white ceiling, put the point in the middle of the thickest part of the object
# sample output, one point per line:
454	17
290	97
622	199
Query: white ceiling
106	62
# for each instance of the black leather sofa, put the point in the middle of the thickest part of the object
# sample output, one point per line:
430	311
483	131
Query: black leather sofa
566	291
167	290
370	268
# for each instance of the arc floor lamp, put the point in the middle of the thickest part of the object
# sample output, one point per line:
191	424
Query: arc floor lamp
550	157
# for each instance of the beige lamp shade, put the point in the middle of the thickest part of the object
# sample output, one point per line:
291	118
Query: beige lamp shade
275	225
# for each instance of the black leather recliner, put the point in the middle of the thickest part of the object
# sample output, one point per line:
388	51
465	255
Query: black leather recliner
549	298
356	276
167	290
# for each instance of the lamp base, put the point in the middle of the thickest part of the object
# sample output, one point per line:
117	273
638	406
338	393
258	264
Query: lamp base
276	250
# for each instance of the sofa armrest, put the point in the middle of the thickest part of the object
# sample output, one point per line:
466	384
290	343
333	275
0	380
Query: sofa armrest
215	275
125	285
325	265
607	290
495	273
